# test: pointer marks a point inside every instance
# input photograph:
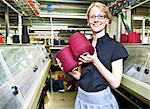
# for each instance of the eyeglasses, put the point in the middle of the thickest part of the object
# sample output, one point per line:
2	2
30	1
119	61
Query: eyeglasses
98	17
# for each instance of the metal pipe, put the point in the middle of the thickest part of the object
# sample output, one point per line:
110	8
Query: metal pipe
16	10
23	11
52	32
11	7
135	6
143	29
119	28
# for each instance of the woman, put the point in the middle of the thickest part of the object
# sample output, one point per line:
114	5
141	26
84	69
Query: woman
102	69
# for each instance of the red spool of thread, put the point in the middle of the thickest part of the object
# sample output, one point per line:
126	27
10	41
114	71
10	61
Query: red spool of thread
1	39
79	45
138	36
124	38
66	58
132	37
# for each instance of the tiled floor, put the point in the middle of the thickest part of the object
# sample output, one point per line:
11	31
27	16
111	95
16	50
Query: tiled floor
60	100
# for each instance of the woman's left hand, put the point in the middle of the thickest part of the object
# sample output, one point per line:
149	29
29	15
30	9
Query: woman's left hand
87	58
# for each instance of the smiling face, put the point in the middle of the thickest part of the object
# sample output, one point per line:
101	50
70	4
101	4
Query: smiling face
97	19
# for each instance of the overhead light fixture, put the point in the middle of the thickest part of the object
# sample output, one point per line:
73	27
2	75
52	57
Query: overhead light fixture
62	16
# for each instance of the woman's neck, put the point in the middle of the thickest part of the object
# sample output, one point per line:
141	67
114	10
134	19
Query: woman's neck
98	35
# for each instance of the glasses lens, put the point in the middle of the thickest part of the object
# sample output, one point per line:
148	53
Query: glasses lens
98	17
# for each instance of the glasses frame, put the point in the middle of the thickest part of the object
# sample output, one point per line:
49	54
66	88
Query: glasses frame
99	17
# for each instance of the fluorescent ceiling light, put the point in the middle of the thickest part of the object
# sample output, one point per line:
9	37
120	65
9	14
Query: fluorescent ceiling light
62	16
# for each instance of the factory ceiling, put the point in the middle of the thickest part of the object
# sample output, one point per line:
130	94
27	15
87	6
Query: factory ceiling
60	12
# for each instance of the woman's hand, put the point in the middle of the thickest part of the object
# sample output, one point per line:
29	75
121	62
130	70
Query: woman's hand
59	63
76	73
87	58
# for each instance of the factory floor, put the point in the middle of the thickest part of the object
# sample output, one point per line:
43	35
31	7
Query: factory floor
60	100
65	100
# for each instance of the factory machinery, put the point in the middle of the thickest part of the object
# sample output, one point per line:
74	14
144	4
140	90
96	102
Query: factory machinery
23	72
135	85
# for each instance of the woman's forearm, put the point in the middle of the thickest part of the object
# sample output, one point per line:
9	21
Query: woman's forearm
114	78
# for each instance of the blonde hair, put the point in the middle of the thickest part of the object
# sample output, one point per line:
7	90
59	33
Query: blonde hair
102	7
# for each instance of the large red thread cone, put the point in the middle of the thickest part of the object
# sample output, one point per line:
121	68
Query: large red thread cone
66	58
124	38
79	45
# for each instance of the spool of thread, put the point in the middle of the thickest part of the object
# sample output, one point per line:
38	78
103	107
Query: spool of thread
1	39
67	60
16	39
134	37
124	38
79	45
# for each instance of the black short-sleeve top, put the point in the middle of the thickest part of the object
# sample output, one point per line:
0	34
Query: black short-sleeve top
108	50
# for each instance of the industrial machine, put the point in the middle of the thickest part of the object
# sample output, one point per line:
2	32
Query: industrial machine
135	85
23	71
